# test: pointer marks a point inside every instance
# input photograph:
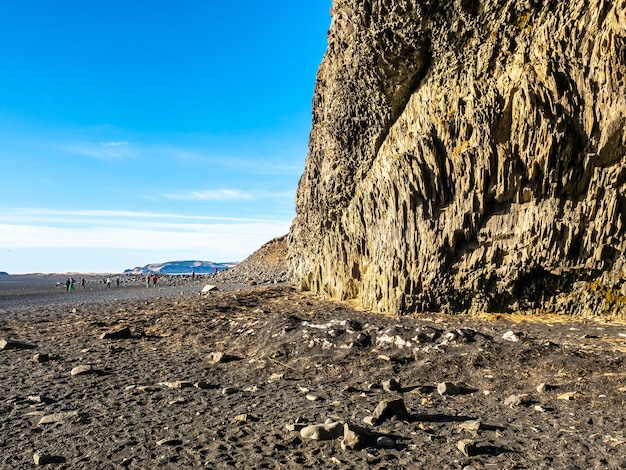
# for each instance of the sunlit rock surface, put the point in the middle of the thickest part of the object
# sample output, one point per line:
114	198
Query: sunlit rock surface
464	154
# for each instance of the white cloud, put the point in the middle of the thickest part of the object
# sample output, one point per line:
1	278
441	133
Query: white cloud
38	216
211	195
130	230
243	237
228	195
105	151
113	144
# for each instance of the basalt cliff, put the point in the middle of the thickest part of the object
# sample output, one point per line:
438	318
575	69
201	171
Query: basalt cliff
466	155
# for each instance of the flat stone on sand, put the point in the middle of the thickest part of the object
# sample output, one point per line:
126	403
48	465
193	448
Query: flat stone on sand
13	344
82	370
58	417
119	333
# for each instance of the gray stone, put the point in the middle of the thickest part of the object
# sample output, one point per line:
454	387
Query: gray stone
168	441
387	409
294	426
42	458
510	336
514	400
83	370
355	437
322	432
391	385
208	288
371	421
119	333
468	447
59	417
448	388
470	425
180	384
229	390
41	357
14	344
385	442
216	357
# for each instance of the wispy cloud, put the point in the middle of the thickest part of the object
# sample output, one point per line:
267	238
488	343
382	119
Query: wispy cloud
39	215
225	195
105	151
211	238
113	144
211	195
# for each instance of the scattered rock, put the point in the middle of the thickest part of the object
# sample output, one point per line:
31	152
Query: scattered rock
294	426
216	357
567	396
83	370
468	447
13	344
202	385
180	384
208	288
229	390
470	425
355	437
370	420
510	336
219	357
58	417
514	400
40	357
385	442
387	409
391	385
42	458
276	377
119	333
169	442
448	388
322	432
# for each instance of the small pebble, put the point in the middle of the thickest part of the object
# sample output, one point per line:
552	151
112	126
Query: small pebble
385	442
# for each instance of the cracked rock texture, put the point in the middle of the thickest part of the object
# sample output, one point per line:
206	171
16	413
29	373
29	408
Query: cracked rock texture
465	154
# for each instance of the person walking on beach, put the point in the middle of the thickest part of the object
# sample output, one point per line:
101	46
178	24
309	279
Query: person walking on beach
154	280
147	280
117	281
108	281
82	282
70	284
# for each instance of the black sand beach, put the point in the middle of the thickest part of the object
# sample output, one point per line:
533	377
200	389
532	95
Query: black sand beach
228	379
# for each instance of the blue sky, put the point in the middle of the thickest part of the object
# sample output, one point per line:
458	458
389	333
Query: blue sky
136	131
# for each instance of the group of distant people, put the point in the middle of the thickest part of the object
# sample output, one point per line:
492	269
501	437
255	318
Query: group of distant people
151	279
69	284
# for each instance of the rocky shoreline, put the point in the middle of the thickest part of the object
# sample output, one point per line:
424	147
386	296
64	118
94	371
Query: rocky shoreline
269	377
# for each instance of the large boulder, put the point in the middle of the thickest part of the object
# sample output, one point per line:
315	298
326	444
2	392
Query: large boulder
464	150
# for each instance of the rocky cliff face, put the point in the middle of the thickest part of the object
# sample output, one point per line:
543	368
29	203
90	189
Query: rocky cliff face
465	154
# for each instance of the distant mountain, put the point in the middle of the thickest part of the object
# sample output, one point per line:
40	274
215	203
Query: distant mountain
180	267
2	273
